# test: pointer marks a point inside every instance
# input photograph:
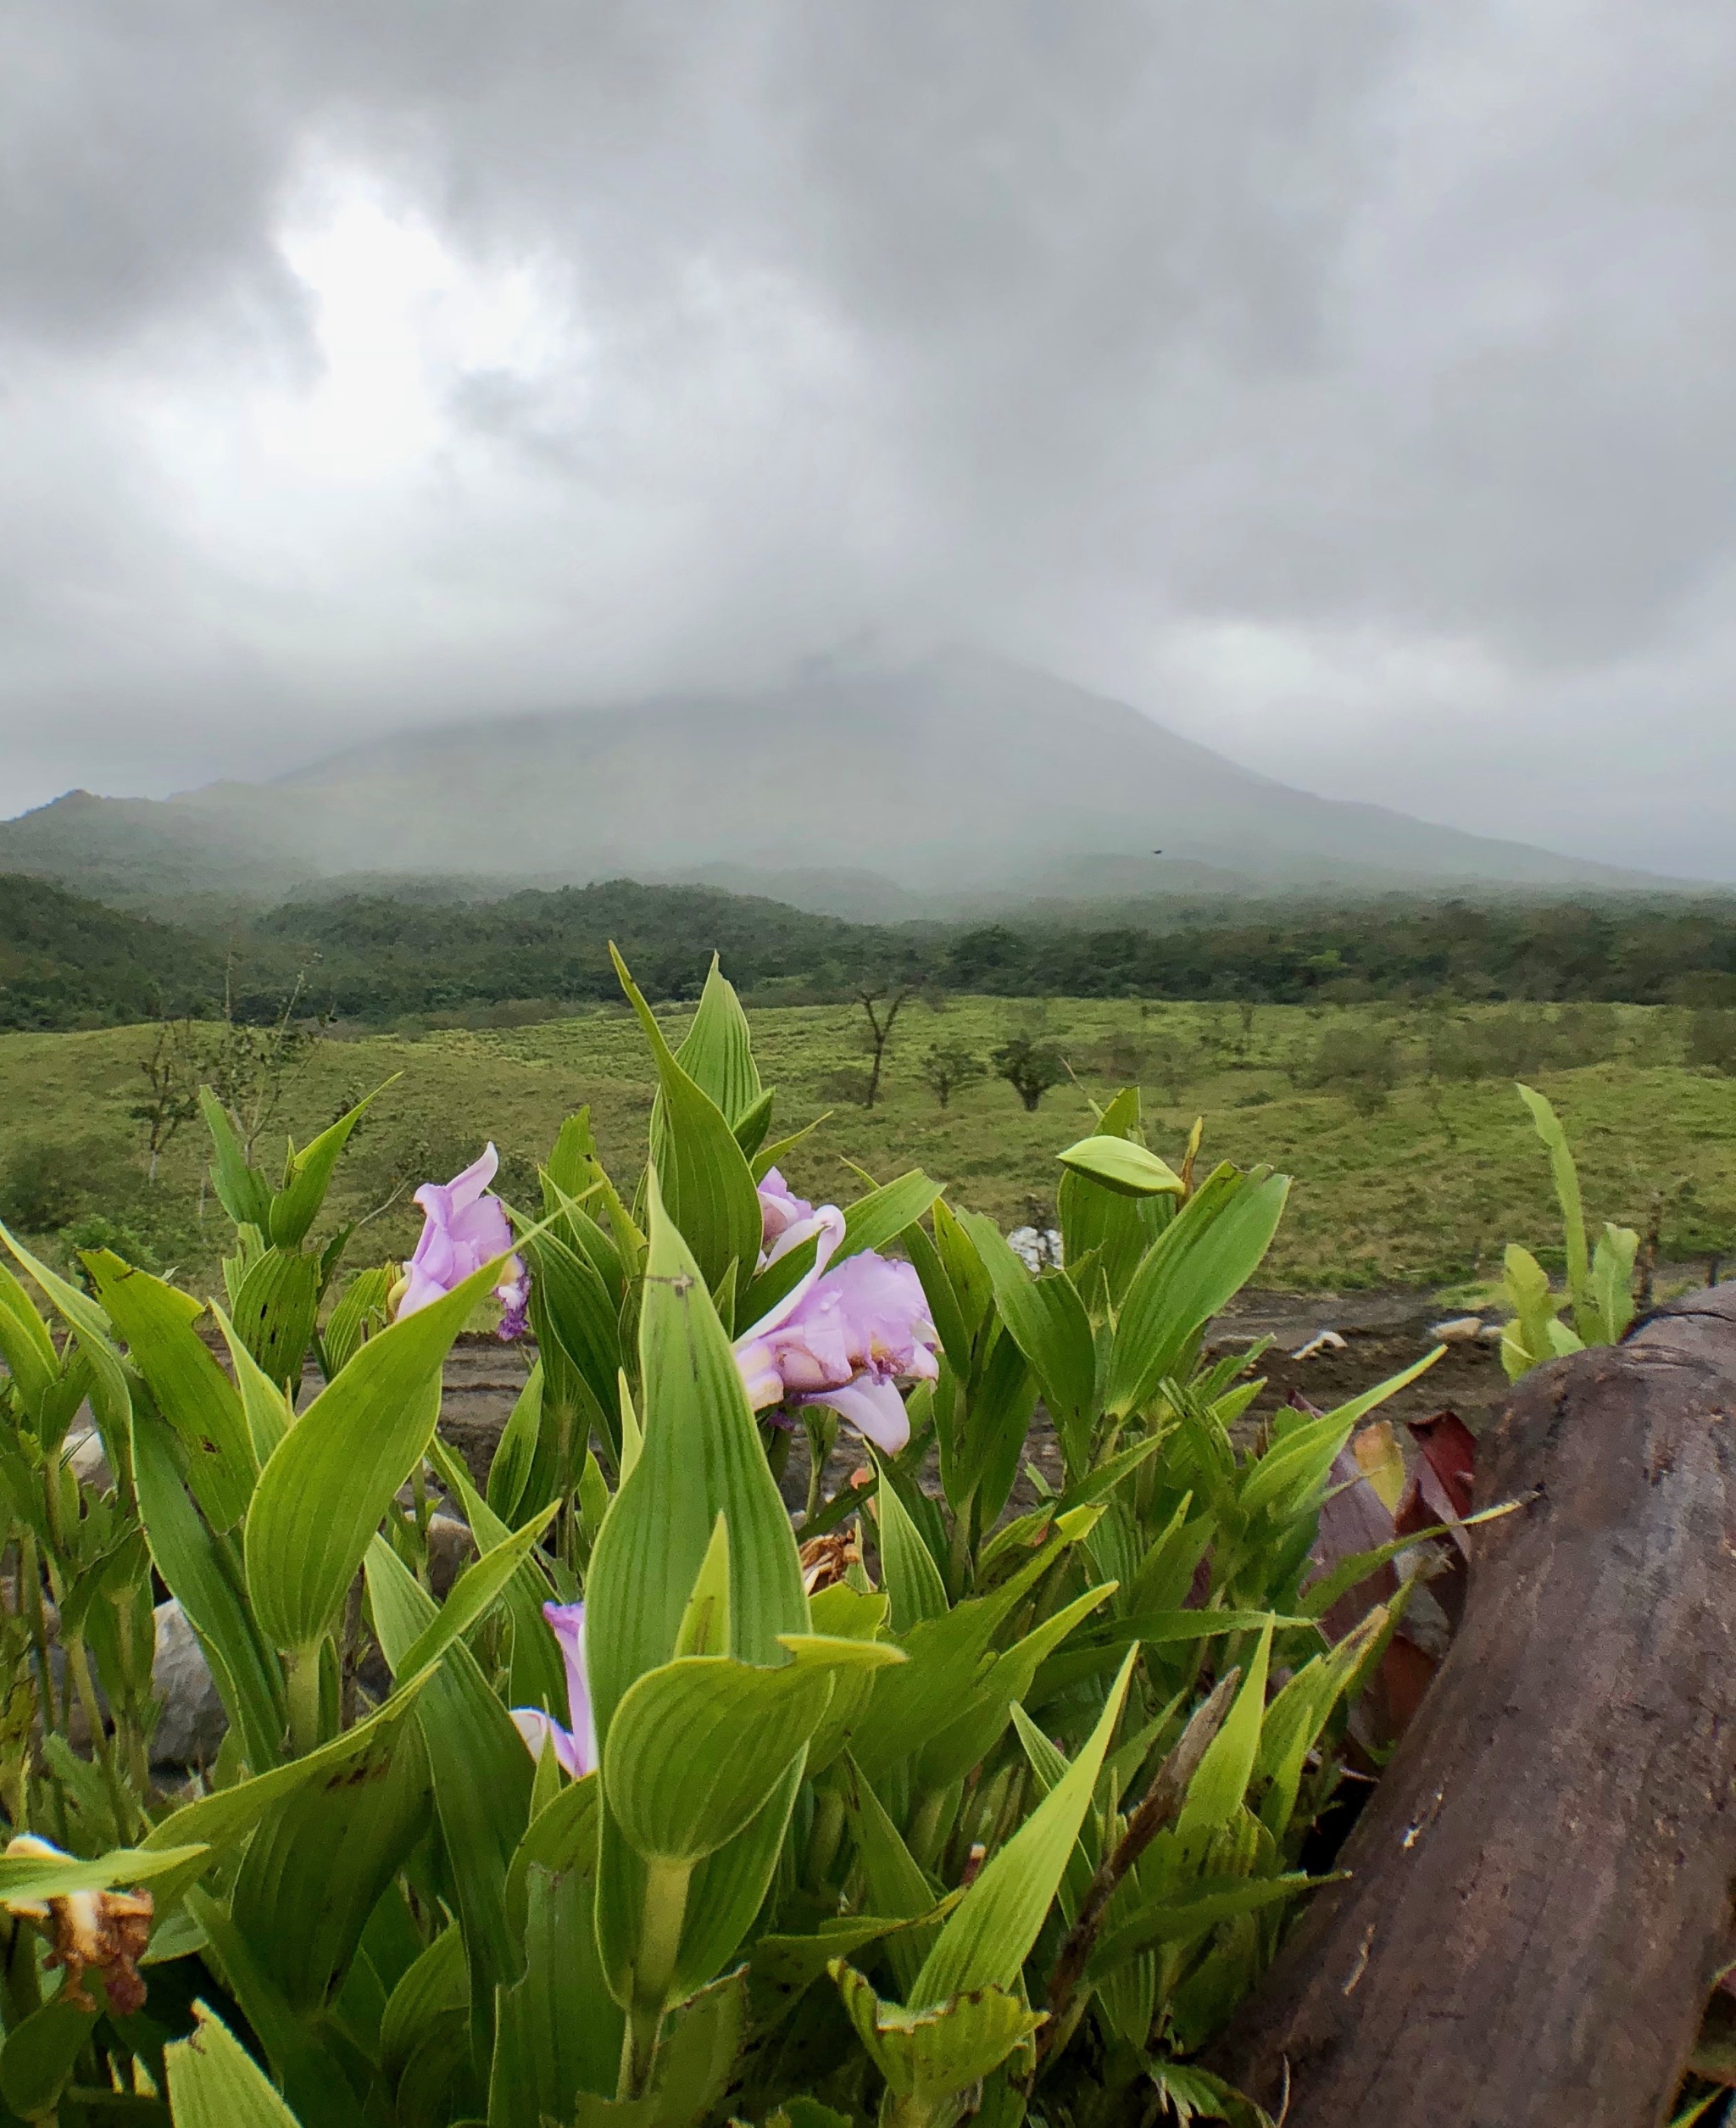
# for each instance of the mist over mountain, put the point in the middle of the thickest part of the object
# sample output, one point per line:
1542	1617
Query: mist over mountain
877	791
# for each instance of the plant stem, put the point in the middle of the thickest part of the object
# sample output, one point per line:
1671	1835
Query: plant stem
660	1919
304	1700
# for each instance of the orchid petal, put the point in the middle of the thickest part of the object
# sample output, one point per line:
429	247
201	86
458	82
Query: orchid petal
875	1409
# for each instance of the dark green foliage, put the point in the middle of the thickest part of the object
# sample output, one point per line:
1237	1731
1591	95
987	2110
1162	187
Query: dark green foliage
948	1066
1712	1039
1029	1066
68	962
41	1187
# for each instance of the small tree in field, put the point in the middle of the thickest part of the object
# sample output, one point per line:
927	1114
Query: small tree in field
948	1066
172	1072
1029	1067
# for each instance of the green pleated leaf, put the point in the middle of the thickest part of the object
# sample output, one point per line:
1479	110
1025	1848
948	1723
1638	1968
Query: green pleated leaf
297	1205
247	1673
274	1311
697	1747
558	2031
718	1053
894	1880
1202	1259
929	2055
241	1190
1048	1322
911	1578
321	1496
217	1821
1291	1473
1123	1165
986	1941
703	1173
1100	1223
213	2082
1221	1777
25	1344
510	1468
476	1592
269	1412
309	2070
317	1866
39	2055
483	1779
538	1674
191	1391
435	1988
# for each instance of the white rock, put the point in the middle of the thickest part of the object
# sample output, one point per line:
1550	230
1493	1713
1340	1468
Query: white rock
1036	1251
1322	1341
89	1465
1458	1329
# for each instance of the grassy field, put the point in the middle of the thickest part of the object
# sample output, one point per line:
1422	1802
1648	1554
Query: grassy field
1419	1182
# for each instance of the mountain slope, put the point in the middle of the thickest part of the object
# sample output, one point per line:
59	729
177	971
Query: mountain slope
65	962
958	776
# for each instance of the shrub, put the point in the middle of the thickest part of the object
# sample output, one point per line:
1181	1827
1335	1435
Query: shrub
1029	1067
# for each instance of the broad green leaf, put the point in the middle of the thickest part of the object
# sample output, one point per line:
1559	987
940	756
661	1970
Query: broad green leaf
322	1495
191	1391
248	1675
943	1307
437	1986
39	2056
895	1882
783	1968
269	1412
1612	1281
110	1397
241	1190
1221	1779
911	1578
274	1309
1123	1165
1292	1724
213	2082
718	1053
227	1815
317	1866
697	1748
25	1343
32	1878
1530	1338
313	2079
1287	1477
988	1937
1196	1265
476	1592
483	1779
1566	1176
362	1300
558	2031
517	1449
701	1457
297	1205
701	1171
1048	1323
537	1677
929	2054
1100	1223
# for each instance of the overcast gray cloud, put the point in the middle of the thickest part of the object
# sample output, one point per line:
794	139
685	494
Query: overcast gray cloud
1349	384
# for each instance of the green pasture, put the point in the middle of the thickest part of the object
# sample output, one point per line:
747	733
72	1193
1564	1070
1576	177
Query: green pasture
1408	1171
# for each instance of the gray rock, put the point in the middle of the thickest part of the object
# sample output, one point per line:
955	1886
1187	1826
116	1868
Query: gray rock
90	1466
450	1546
193	1723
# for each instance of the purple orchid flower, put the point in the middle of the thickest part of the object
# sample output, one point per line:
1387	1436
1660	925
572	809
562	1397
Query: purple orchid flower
786	1220
575	1747
465	1227
844	1339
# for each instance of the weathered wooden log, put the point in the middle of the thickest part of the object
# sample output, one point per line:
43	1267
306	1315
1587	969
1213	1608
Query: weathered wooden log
1540	1895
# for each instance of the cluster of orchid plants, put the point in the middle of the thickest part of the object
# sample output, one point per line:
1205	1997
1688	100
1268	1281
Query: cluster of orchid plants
983	1781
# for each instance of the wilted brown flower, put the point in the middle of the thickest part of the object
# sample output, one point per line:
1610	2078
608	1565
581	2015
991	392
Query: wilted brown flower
107	1929
825	1560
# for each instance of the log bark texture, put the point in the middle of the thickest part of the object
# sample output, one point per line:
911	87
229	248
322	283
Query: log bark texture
1541	1889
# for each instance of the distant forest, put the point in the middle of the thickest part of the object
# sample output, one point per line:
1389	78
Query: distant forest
69	962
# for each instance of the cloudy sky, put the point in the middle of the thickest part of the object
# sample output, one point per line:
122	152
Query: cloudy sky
1349	383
